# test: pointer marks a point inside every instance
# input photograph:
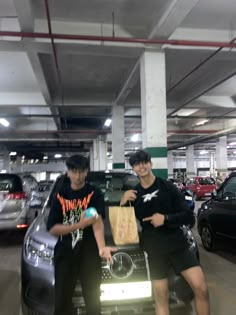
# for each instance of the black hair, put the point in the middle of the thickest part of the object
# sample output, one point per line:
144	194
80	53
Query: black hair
139	157
77	162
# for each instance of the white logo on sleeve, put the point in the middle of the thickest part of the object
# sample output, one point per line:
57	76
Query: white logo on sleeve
149	197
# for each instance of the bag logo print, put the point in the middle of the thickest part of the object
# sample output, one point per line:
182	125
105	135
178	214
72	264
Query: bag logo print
149	197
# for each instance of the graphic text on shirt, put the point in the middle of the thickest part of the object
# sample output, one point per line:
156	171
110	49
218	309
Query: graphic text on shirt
72	210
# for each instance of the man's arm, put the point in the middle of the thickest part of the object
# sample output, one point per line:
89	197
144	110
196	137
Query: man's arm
184	215
63	229
98	230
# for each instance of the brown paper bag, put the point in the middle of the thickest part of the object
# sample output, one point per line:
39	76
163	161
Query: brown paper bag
123	225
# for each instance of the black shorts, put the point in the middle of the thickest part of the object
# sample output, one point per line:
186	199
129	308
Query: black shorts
160	262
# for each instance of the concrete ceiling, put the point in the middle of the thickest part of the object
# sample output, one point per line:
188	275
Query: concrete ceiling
57	97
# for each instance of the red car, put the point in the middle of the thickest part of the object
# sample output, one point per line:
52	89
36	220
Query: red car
201	186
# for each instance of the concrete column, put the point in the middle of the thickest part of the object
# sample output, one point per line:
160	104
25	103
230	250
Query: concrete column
221	157
170	162
91	163
153	109
4	162
212	163
118	137
190	163
99	155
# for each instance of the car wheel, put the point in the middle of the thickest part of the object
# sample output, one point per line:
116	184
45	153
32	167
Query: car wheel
207	237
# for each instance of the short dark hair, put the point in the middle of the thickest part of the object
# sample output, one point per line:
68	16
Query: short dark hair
77	162
139	157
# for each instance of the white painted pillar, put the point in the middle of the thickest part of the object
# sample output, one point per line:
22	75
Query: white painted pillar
190	163
221	157
153	109
118	137
212	163
99	155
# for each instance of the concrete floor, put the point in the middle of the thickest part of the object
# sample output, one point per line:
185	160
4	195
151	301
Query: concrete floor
219	268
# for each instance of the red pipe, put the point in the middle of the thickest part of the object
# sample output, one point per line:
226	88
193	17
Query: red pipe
120	39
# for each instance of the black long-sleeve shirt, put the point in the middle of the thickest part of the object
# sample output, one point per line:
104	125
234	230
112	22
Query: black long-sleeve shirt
163	197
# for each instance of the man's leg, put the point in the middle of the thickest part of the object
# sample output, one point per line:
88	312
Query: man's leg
161	295
90	277
64	281
195	278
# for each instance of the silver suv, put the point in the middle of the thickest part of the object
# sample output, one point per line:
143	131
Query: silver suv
125	287
15	195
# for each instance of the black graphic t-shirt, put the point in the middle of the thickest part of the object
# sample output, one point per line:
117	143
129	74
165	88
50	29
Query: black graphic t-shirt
163	197
68	205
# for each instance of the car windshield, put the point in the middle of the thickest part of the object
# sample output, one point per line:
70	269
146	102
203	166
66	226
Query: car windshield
206	181
10	183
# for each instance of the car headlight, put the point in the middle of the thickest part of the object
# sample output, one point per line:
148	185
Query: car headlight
36	251
190	238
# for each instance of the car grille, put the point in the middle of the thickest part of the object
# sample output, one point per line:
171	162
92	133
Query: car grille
140	272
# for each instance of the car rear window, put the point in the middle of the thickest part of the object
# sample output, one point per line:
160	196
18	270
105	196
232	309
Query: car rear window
206	181
10	183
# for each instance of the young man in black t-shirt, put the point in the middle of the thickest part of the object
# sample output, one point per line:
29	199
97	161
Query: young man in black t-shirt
80	240
161	210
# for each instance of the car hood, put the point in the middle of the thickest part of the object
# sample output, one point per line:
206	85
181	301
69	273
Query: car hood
38	232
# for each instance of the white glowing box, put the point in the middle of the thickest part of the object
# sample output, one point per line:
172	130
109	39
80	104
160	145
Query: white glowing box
125	291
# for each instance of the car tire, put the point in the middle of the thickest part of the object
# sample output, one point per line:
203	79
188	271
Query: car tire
207	237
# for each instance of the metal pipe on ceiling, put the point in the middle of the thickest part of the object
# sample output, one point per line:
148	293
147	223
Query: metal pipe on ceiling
68	115
104	131
92	38
54	50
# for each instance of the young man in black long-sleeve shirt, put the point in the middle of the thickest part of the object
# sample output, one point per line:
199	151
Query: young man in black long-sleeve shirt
161	210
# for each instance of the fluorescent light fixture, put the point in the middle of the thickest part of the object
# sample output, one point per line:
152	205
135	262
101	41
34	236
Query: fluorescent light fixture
135	137
202	122
232	143
3	171
186	111
57	156
125	291
203	152
13	153
182	148
4	122
107	122
234	152
45	157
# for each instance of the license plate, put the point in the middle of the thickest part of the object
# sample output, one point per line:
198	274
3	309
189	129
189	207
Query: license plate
207	194
125	291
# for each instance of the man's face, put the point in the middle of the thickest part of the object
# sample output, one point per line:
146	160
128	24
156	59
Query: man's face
77	177
142	168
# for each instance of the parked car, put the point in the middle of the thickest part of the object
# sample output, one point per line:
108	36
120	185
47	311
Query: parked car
15	194
201	186
217	216
125	287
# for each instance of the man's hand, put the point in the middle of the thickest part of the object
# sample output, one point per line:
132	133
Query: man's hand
156	219
84	222
105	253
129	195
